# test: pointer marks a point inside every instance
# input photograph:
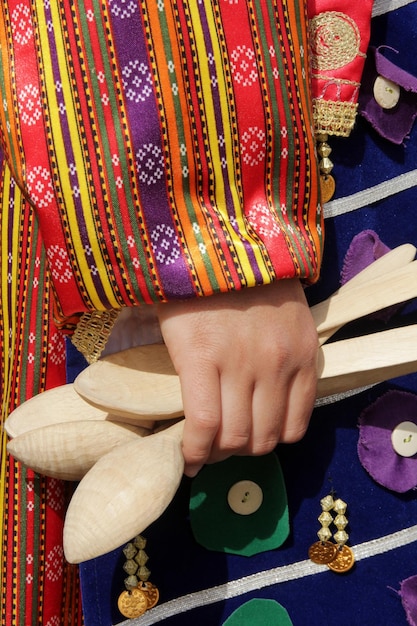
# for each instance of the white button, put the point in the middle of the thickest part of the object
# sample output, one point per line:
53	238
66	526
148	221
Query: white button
404	439
245	497
386	93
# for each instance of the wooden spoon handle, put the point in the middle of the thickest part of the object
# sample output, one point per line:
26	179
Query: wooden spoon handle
393	260
367	359
379	293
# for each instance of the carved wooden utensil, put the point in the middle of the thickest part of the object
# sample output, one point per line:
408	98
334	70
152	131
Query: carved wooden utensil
123	493
58	406
149	388
132	485
68	450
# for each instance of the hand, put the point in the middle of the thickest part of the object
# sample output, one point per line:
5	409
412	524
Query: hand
247	363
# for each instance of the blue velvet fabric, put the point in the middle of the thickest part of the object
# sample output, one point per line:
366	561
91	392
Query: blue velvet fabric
326	458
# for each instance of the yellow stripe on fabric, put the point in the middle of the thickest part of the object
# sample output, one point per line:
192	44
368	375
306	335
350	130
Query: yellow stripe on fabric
3	477
207	97
7	111
10	273
5	363
9	277
60	152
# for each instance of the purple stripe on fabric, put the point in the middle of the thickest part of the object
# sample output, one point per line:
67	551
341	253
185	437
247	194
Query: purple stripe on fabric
147	141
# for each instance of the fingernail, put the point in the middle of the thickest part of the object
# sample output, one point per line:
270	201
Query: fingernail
192	470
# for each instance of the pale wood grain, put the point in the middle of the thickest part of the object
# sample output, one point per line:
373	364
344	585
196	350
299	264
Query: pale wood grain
68	450
123	493
58	406
360	300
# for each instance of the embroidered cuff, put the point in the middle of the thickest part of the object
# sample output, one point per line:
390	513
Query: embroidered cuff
338	43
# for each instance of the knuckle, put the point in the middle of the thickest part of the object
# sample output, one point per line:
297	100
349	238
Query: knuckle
260	448
294	433
204	420
233	442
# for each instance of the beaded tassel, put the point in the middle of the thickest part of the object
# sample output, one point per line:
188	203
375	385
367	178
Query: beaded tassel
140	595
327	182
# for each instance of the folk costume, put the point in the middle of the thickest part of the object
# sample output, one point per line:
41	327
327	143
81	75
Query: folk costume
154	152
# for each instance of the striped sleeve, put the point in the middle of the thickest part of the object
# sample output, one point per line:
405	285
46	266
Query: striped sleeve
167	147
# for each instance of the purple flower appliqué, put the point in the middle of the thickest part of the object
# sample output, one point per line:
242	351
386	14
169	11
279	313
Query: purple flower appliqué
375	449
365	248
394	124
408	595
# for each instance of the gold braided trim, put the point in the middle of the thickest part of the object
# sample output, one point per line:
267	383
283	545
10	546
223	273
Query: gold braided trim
336	81
334	118
92	333
335	40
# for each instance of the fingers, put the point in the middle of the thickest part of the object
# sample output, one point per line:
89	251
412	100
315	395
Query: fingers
247	366
244	419
301	398
235	426
269	407
248	418
201	393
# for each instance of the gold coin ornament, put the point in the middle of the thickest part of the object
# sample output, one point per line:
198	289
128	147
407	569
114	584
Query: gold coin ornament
327	187
322	552
152	593
336	555
132	603
140	594
344	560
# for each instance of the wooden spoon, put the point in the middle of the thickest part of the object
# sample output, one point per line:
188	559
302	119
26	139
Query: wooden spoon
125	491
58	406
149	387
145	474
394	259
362	299
343	365
68	450
366	360
113	382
